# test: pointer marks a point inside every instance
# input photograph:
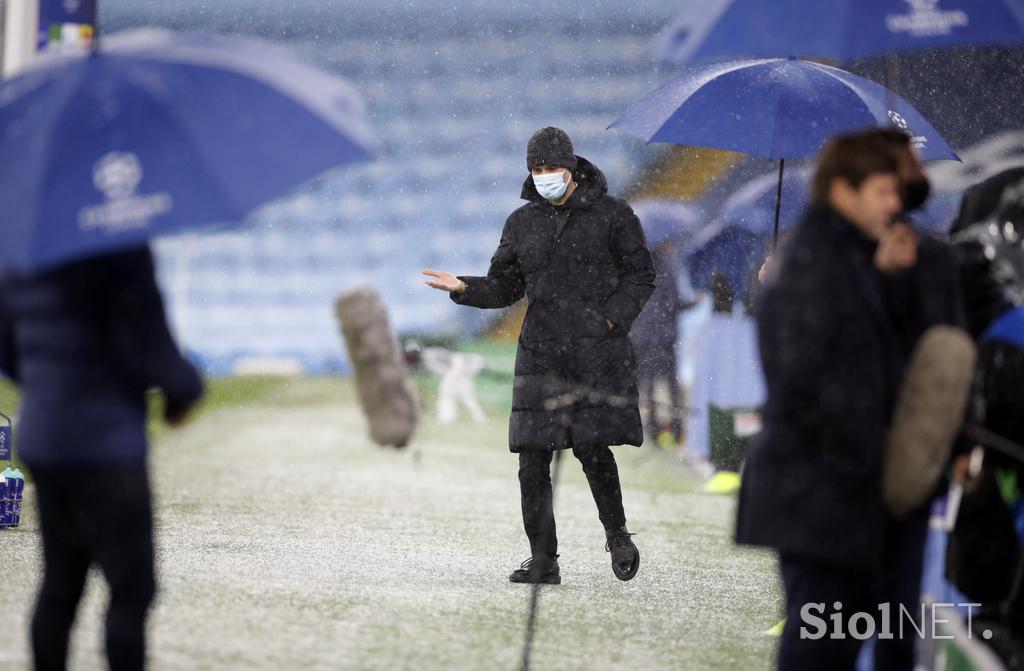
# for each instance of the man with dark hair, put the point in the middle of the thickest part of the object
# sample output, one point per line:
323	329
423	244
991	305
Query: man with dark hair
579	256
832	361
85	342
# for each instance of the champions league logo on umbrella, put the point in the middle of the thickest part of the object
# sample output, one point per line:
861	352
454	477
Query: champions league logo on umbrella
919	142
117	176
926	20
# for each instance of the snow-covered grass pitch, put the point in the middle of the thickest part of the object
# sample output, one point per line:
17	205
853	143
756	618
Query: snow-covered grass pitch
287	540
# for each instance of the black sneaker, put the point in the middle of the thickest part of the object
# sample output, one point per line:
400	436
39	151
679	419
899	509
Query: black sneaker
538	569
625	556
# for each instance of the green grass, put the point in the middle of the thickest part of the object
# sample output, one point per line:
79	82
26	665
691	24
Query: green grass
286	539
221	392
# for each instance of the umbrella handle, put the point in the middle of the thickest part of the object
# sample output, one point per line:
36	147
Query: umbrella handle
778	204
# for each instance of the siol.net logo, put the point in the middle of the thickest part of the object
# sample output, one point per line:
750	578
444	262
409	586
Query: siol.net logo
891	621
117	176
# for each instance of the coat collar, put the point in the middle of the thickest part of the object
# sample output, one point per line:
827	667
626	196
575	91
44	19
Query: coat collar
591	186
860	250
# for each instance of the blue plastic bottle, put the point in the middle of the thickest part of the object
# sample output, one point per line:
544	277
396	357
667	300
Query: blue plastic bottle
3	502
17	482
7	506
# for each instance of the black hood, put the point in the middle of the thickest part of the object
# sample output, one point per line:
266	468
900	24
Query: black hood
591	186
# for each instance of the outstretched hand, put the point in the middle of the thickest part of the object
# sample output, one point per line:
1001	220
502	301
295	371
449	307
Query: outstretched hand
444	281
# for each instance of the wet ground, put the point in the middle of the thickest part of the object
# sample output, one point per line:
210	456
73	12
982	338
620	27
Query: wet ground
287	540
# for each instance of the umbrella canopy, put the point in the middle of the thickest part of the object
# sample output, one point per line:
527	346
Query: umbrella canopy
664	219
774	108
752	205
840	30
738	237
156	133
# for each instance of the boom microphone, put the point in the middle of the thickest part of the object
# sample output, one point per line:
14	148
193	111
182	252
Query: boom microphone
382	377
929	413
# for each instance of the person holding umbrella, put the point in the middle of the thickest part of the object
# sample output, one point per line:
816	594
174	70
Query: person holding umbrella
580	257
833	363
85	341
233	123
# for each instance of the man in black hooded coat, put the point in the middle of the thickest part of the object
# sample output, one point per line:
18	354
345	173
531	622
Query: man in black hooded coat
580	257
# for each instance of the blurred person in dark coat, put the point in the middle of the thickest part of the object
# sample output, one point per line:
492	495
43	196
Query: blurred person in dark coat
921	290
655	335
85	342
579	256
833	363
984	552
927	290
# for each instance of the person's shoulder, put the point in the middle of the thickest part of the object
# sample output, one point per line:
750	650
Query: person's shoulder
808	231
932	242
934	252
806	250
615	205
523	212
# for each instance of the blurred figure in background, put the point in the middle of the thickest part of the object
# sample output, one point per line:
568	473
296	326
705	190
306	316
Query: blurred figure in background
984	554
85	342
920	268
921	289
723	298
981	200
579	255
833	365
655	335
457	371
727	379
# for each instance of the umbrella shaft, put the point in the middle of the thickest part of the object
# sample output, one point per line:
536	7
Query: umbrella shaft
778	203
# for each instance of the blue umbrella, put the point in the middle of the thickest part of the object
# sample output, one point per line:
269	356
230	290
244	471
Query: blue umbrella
752	205
664	219
839	30
776	108
736	239
157	132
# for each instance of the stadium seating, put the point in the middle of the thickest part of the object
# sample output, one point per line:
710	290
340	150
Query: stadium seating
453	97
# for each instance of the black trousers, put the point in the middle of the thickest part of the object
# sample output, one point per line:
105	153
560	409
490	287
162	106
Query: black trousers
94	515
535	491
898	584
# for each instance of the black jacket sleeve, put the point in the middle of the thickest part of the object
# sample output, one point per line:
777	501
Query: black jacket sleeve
141	342
635	269
502	286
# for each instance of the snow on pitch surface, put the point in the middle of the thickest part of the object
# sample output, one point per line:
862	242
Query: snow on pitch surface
286	540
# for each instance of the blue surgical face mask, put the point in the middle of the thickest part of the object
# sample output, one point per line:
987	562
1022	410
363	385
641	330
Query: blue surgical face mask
551	186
